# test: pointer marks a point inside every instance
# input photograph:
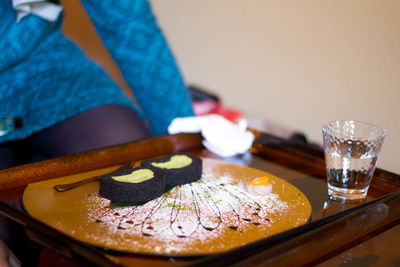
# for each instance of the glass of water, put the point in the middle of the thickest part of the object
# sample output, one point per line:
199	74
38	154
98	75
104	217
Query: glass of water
351	151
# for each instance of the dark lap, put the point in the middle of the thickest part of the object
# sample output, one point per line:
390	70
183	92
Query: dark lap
95	128
98	127
6	157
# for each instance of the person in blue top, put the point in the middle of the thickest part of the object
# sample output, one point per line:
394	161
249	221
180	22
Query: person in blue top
64	102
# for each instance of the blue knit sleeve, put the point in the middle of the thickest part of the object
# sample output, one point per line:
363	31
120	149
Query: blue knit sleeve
129	30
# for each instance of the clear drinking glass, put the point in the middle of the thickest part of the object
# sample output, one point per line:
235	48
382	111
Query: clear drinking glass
351	151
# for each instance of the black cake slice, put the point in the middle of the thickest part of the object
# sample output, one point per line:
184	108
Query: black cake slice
136	185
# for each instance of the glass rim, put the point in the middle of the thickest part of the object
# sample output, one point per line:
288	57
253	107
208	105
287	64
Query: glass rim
325	128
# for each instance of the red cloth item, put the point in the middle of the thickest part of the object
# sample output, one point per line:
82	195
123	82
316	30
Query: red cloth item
213	107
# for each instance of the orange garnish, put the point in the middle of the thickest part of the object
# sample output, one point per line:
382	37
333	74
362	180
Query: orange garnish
260	181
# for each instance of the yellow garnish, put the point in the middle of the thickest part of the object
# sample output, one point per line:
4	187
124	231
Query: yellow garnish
260	181
136	176
175	162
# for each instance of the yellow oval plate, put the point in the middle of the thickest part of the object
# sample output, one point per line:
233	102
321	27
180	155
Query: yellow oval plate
213	215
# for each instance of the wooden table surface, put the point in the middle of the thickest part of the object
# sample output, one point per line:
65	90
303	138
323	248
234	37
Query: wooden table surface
338	233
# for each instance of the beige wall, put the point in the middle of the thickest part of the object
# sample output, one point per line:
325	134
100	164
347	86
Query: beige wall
297	63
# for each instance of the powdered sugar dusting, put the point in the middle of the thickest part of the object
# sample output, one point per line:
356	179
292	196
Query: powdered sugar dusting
188	215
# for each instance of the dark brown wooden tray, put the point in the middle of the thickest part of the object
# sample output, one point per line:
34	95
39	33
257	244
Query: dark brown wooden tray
334	227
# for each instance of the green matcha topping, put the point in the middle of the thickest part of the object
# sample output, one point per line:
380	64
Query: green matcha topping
175	162
136	176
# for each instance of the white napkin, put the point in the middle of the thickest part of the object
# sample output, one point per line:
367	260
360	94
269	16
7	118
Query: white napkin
221	136
46	10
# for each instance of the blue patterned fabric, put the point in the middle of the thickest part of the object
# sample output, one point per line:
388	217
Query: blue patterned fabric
45	78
